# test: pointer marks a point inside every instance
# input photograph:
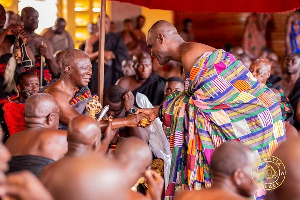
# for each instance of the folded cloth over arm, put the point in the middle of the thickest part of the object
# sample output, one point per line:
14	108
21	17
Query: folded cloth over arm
221	102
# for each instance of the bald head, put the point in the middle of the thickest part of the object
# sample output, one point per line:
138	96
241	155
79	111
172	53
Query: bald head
89	177
261	69
40	105
71	57
164	41
139	56
163	27
84	130
131	149
239	158
135	155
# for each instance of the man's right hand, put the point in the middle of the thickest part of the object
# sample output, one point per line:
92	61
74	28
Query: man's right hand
134	120
152	113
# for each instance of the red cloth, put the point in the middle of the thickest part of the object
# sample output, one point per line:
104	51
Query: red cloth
14	116
219	6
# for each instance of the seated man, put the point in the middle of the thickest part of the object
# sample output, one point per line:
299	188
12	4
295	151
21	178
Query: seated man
89	177
290	83
72	89
14	115
84	138
145	82
231	174
121	103
135	157
289	154
40	143
127	67
19	185
261	70
173	84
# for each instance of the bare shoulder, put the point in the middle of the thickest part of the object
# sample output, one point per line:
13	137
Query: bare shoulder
55	132
186	195
191	51
56	92
125	81
92	38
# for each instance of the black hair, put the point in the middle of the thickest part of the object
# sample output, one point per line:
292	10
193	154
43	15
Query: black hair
60	19
114	94
21	76
175	79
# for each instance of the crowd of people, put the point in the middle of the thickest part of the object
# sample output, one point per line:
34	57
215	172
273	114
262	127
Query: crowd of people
179	120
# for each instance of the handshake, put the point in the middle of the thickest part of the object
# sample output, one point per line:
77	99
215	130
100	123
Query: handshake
142	117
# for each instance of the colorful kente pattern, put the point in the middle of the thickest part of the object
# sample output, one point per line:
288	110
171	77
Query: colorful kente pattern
81	97
221	102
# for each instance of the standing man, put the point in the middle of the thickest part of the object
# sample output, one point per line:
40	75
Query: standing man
221	102
292	36
30	19
139	34
291	83
58	36
144	81
115	52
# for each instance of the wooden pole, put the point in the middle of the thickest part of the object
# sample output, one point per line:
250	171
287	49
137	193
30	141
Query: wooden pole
101	51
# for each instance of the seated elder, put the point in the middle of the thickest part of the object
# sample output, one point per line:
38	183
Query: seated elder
41	143
231	174
145	82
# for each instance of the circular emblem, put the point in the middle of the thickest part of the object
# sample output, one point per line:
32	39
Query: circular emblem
268	173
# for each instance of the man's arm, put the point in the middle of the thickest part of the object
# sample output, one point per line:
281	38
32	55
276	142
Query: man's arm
129	121
63	103
47	51
89	47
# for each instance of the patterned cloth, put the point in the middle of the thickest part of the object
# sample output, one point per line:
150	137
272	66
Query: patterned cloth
295	37
81	97
221	102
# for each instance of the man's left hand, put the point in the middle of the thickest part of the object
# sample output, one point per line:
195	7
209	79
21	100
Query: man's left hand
128	100
155	183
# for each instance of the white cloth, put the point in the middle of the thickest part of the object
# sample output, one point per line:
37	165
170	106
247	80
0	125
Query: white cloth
158	142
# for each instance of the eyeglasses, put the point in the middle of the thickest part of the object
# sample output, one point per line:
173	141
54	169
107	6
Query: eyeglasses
144	65
258	72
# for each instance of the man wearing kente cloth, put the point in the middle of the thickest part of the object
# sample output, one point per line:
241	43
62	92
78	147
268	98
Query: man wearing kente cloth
221	102
72	93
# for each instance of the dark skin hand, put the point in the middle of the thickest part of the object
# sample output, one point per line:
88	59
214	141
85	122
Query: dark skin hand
24	186
134	131
155	183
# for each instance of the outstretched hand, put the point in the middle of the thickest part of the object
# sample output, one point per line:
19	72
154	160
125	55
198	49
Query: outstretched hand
155	183
152	113
135	119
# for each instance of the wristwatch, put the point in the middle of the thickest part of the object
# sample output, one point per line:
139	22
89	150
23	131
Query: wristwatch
130	111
